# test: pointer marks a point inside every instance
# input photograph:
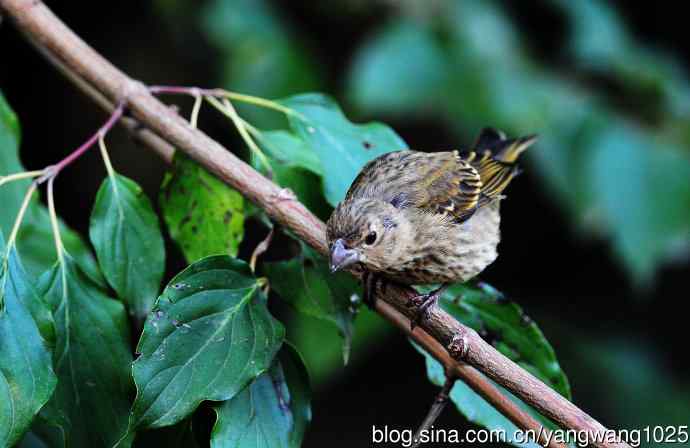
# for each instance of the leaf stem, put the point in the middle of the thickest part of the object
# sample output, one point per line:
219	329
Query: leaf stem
106	158
228	110
20	216
194	118
59	248
222	93
19	176
261	102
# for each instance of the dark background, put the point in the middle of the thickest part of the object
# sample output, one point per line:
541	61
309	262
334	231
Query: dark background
623	347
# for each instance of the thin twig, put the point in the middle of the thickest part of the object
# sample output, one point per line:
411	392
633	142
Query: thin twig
52	171
260	249
140	133
437	407
37	21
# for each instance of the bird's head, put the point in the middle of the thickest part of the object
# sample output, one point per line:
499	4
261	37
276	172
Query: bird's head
365	231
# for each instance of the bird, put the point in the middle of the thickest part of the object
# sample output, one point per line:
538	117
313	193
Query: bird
421	218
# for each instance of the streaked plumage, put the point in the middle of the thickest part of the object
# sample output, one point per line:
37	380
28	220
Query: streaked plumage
420	218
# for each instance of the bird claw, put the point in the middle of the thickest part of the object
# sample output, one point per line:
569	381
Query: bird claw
422	303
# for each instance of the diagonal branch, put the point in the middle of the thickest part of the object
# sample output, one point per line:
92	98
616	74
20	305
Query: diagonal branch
458	347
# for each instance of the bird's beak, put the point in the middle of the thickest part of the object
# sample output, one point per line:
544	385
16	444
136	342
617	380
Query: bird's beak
341	257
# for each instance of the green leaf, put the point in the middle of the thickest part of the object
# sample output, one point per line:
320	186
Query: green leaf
92	359
204	215
647	199
342	147
27	379
208	336
10	194
383	80
305	282
126	235
295	166
289	150
273	411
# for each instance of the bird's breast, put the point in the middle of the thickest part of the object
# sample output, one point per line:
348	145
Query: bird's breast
448	253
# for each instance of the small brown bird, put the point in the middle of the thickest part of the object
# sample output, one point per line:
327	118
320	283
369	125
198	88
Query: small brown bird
421	218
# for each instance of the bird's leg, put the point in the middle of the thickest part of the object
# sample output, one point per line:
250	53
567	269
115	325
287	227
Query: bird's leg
423	302
369	283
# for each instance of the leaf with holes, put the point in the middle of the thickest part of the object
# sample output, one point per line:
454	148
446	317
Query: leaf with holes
129	246
204	215
91	403
208	336
342	146
273	411
307	284
27	379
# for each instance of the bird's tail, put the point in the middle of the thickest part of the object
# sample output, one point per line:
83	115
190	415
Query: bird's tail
502	149
495	156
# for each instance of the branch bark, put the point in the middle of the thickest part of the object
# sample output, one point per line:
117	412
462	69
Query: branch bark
457	347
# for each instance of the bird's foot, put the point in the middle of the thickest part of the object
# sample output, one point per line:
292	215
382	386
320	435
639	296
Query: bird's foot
369	281
422	303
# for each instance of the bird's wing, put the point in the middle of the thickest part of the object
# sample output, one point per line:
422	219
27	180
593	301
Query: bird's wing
449	183
436	182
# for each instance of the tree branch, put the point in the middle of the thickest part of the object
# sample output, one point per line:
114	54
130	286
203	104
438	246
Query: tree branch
452	343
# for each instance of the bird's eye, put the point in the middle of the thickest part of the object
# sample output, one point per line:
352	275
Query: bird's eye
370	239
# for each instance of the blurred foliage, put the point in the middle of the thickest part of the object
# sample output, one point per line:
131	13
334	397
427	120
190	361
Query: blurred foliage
610	169
260	54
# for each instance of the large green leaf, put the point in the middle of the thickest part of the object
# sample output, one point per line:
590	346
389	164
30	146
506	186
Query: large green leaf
208	336
92	359
204	215
273	411
126	235
342	147
306	283
290	150
27	379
